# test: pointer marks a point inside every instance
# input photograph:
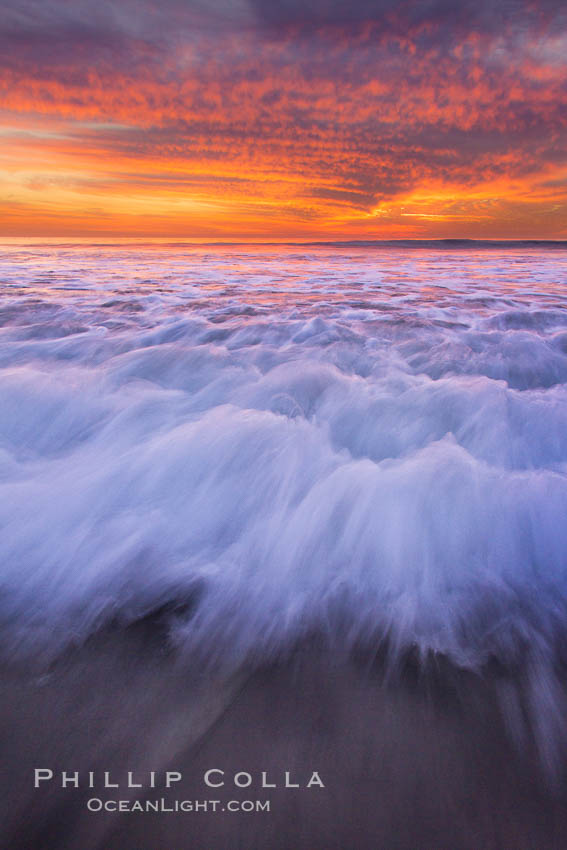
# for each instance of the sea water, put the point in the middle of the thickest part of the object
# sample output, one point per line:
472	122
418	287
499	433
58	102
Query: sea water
368	443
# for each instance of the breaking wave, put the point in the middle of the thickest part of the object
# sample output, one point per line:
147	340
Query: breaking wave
267	443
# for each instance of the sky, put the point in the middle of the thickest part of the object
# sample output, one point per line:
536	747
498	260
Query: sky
283	119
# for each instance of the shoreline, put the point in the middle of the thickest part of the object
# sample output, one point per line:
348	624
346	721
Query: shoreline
409	758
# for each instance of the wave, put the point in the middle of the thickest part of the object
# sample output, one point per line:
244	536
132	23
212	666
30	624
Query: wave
353	456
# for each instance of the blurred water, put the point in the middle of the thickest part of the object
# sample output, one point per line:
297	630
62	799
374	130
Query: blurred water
275	440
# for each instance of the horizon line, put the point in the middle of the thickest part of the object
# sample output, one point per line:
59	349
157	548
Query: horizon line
454	242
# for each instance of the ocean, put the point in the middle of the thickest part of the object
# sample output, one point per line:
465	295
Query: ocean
254	448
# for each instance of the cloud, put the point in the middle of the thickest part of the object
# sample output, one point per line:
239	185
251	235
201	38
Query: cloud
427	20
317	109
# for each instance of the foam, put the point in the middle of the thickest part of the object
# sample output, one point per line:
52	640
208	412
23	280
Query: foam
367	445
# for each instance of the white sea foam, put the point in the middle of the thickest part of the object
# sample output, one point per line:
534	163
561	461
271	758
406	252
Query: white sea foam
361	442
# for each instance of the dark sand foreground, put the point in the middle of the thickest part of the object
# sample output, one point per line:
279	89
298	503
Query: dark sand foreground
410	760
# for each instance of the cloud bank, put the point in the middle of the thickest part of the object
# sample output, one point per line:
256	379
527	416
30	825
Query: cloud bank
286	119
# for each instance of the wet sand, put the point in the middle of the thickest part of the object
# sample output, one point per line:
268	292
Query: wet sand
410	759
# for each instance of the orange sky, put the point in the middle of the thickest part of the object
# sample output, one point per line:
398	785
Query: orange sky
227	121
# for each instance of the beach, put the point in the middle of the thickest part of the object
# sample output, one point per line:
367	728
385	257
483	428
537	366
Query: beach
283	546
409	758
